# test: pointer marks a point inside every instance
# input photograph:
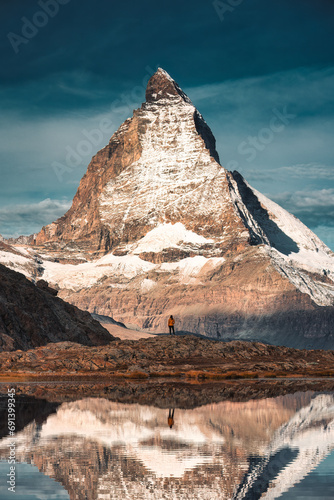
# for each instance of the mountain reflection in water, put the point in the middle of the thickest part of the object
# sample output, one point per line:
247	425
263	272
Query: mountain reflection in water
98	449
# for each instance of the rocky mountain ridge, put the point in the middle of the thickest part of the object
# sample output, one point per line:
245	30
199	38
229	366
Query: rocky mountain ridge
32	315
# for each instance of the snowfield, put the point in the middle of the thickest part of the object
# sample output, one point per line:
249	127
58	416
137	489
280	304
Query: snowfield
313	257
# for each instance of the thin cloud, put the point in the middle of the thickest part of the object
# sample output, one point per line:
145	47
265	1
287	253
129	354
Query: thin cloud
314	208
296	86
29	218
258	175
308	170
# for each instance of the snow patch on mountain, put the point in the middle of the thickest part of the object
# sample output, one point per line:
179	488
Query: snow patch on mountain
189	268
22	263
168	236
76	277
147	285
174	168
12	260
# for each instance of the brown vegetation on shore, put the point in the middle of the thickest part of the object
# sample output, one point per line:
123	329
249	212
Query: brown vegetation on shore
179	357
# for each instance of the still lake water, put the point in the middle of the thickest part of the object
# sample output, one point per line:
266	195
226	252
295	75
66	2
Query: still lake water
94	448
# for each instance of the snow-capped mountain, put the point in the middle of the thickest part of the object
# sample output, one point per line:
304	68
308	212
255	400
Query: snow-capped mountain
159	227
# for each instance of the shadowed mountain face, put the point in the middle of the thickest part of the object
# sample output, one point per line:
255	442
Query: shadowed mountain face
100	449
159	227
274	235
31	316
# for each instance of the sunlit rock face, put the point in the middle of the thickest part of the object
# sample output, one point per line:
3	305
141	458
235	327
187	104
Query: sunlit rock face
159	227
98	449
160	167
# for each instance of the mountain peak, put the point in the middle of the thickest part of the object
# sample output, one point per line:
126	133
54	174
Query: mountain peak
162	86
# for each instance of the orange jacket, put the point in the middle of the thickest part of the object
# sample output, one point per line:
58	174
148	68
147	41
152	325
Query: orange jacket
171	322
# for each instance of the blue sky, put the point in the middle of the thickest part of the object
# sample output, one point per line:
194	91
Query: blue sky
73	69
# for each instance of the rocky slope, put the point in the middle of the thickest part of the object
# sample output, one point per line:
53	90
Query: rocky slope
159	227
31	315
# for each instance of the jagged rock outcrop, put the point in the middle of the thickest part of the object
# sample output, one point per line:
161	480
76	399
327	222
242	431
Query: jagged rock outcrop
166	356
159	227
32	316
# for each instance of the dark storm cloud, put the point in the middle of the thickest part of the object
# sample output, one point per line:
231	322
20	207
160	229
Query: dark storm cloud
109	43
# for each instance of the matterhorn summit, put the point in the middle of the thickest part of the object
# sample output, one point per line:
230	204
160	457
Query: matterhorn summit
158	226
160	167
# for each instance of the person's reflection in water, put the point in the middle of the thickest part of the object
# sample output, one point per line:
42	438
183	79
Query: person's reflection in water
171	417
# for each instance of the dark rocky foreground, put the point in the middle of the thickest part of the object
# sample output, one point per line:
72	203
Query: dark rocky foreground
184	356
32	316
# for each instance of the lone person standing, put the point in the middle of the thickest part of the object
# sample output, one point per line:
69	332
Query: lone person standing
171	323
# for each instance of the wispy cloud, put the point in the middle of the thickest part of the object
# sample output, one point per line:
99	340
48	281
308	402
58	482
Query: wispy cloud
295	86
29	218
254	174
238	109
302	171
308	170
315	208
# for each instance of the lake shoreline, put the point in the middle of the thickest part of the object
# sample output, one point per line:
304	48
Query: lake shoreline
164	393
